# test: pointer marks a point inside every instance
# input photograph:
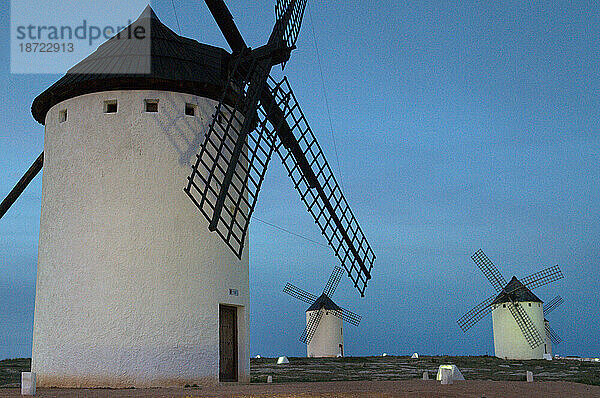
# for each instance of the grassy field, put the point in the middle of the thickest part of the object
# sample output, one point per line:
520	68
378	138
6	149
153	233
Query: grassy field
403	368
385	368
10	371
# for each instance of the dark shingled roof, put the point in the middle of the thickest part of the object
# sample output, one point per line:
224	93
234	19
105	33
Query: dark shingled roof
520	293
323	302
170	62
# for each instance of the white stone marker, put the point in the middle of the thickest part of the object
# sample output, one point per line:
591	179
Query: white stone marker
446	376
529	376
269	379
454	372
282	360
425	375
27	383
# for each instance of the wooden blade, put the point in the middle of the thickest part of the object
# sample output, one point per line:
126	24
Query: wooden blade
489	270
14	194
476	313
530	332
289	15
552	335
311	174
333	281
348	316
552	304
311	326
300	294
542	277
233	159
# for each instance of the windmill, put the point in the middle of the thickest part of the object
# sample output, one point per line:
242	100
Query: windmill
255	117
118	234
551	336
323	334
517	315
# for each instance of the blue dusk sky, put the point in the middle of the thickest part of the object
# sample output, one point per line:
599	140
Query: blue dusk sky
458	126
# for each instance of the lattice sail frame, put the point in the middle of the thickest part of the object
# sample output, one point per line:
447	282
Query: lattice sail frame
299	294
291	30
227	141
489	270
542	277
476	313
311	326
553	304
333	281
530	332
356	253
552	335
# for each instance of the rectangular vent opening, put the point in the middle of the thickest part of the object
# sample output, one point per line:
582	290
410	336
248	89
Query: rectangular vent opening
62	116
190	109
151	105
110	106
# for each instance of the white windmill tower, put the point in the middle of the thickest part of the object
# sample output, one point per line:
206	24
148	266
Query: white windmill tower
517	313
133	288
324	331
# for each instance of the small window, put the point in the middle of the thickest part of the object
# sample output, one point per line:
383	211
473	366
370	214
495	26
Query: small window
110	106
530	304
151	105
190	109
62	116
503	305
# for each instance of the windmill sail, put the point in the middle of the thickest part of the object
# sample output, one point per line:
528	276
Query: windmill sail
232	162
311	326
300	294
289	15
552	335
476	313
489	270
312	177
542	277
301	154
552	305
14	194
530	332
333	281
348	316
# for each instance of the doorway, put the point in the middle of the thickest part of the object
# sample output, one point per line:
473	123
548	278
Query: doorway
228	356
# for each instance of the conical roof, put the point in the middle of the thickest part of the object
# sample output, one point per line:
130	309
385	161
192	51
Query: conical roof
519	293
166	60
323	302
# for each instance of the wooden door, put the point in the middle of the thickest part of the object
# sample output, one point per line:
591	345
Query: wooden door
227	343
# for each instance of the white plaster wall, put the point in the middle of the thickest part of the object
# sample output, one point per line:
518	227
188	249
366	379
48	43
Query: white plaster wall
328	336
129	278
509	341
547	340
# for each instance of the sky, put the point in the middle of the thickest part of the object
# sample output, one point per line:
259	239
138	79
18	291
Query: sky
457	125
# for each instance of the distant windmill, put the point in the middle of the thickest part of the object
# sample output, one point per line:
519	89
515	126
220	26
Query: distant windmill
551	335
517	314
323	334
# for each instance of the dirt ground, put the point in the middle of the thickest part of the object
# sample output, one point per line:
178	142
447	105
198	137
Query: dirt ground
404	388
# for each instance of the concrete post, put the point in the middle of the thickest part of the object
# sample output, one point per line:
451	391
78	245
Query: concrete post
529	376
